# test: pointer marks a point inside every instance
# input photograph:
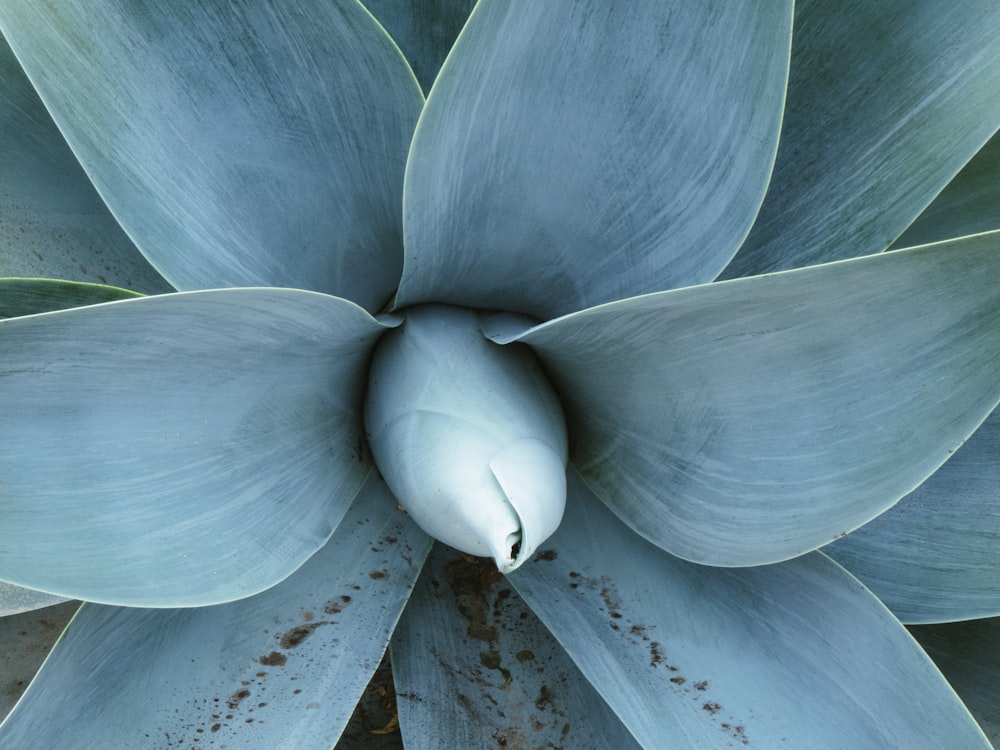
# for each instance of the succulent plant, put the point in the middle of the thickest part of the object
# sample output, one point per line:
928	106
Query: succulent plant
666	317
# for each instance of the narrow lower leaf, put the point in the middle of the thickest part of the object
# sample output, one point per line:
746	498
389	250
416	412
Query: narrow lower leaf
281	670
935	555
474	668
796	655
969	204
967	654
30	296
17	599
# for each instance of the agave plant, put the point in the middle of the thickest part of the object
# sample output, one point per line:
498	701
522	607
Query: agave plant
646	239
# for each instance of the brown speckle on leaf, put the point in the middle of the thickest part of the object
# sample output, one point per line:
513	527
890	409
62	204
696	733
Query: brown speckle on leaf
273	659
469	578
739	732
612	602
296	635
655	653
234	700
544	699
335	606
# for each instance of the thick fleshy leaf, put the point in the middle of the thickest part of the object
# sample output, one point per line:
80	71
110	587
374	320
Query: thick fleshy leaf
179	449
796	655
474	668
970	203
935	555
238	145
282	669
17	599
967	654
30	296
749	421
575	153
52	221
884	108
424	30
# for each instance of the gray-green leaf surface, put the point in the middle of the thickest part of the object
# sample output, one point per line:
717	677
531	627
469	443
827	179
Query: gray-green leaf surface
52	221
282	669
884	107
797	654
935	555
20	296
238	145
424	30
497	677
969	204
575	153
180	449
746	422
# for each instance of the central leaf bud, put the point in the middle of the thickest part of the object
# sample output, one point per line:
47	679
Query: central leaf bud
468	434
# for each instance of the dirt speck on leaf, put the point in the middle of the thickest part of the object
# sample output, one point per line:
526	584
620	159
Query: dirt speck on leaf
655	653
469	582
234	700
273	659
298	634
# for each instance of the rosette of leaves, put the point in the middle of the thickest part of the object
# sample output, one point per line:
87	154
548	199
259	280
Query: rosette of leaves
689	203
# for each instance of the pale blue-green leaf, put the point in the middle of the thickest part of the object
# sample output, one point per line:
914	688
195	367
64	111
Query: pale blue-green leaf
796	655
282	669
749	421
30	296
575	153
967	654
238	145
884	108
52	221
935	555
423	29
474	668
17	599
179	449
969	204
